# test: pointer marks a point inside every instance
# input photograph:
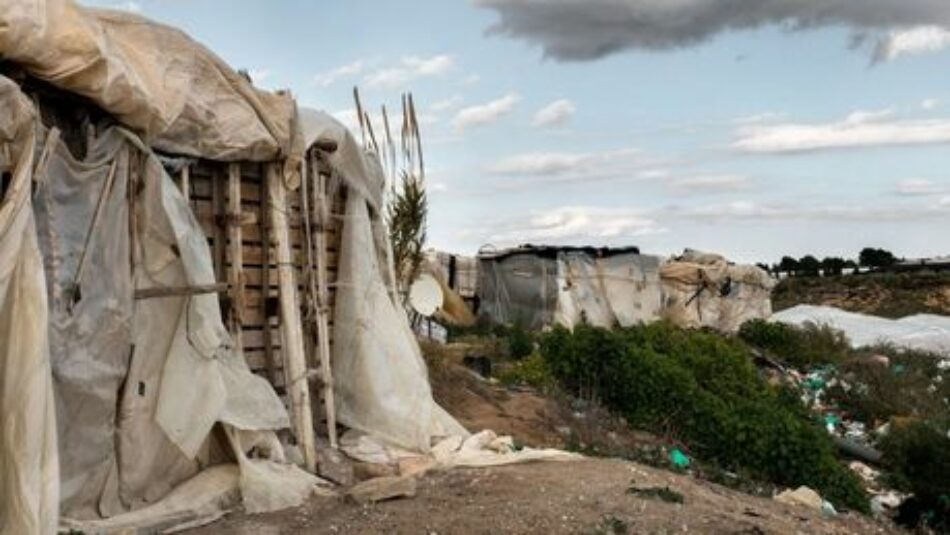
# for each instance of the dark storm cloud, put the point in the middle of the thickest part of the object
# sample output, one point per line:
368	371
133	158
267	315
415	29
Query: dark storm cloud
579	30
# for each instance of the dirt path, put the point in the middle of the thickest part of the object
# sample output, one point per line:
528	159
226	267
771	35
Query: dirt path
588	496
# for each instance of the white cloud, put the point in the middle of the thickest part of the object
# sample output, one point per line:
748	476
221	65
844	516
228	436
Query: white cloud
708	184
832	213
570	164
446	104
554	114
410	68
488	112
929	104
131	6
859	129
911	41
328	78
920	186
576	224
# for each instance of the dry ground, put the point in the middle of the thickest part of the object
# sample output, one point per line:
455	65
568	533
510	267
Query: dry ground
587	496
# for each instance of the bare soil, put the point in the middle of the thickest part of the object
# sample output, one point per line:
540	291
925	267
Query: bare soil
589	496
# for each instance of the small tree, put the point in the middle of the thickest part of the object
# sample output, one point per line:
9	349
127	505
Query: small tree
832	265
809	265
407	213
876	258
788	265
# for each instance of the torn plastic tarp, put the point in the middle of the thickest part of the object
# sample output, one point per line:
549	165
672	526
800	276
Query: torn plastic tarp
29	467
155	79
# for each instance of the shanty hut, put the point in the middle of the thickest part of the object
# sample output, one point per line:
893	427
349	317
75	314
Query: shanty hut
183	260
539	286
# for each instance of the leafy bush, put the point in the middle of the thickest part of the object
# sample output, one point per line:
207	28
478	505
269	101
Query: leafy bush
877	392
702	389
520	342
532	371
802	347
918	460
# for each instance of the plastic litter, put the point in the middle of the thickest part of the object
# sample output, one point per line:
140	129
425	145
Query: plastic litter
679	459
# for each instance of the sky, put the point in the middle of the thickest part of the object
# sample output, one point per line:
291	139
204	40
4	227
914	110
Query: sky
752	128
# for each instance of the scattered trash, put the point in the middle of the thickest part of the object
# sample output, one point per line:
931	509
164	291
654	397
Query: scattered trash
886	503
828	509
660	493
679	459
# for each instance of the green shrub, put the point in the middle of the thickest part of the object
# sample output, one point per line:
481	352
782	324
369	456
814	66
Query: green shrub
520	342
532	371
801	347
917	457
702	389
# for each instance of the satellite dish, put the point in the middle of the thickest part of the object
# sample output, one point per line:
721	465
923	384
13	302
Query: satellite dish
425	295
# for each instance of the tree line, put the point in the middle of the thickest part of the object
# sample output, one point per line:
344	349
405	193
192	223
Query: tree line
810	266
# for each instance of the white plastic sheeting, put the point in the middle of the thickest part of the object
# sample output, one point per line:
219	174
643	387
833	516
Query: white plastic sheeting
155	79
380	380
29	468
925	332
138	384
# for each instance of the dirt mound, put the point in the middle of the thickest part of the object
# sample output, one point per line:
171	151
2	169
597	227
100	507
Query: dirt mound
881	294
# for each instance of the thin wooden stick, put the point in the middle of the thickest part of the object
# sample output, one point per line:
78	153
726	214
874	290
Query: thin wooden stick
295	363
179	291
96	216
359	114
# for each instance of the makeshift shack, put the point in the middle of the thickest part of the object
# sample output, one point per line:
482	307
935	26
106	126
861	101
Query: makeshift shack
183	260
538	286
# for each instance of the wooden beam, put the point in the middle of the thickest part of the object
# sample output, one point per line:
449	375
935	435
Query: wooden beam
179	291
295	362
323	300
184	182
265	291
236	271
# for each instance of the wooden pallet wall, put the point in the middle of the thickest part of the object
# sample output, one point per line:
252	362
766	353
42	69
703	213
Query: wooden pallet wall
258	332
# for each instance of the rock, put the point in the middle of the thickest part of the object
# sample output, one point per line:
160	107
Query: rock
383	488
364	471
880	360
333	465
802	496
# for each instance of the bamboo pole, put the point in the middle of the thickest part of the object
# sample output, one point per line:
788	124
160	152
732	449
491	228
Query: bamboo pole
295	362
236	270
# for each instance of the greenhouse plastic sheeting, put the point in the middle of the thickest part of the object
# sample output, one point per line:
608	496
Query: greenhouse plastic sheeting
380	380
29	477
173	91
925	332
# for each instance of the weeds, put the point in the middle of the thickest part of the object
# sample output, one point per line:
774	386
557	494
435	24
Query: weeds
665	494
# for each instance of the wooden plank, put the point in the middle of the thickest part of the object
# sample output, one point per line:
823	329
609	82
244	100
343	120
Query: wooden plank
295	364
217	209
179	291
184	182
236	255
323	305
